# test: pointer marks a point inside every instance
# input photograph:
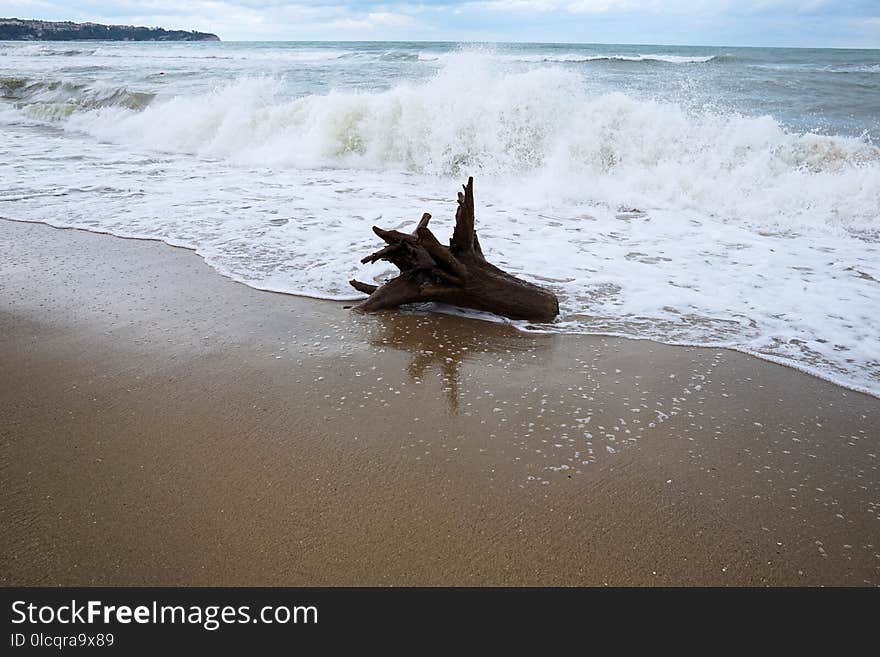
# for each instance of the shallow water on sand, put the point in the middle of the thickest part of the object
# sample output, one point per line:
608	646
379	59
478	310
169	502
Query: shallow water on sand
709	196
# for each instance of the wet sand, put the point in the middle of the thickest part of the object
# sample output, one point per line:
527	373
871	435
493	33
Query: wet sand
161	424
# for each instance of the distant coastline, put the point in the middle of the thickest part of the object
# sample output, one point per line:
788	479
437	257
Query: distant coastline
15	29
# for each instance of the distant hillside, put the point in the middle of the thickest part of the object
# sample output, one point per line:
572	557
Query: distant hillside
14	29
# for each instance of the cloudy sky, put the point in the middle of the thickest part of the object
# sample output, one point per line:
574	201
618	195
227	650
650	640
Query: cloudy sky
808	23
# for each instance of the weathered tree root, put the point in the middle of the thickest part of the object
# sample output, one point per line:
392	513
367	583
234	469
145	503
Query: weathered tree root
458	274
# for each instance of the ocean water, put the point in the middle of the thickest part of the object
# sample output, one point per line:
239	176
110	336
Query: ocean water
703	196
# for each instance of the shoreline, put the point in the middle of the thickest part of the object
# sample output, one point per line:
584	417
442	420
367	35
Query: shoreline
784	362
155	432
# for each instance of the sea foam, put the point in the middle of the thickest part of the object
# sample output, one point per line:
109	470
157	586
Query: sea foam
651	219
543	123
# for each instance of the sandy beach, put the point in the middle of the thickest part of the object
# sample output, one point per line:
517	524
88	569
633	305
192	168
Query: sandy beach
163	425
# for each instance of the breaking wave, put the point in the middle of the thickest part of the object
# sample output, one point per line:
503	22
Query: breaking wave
57	100
580	58
542	124
654	220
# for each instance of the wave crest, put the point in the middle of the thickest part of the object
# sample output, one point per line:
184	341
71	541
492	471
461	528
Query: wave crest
580	58
478	117
57	100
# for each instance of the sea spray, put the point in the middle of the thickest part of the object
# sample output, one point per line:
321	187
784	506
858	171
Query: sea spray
543	123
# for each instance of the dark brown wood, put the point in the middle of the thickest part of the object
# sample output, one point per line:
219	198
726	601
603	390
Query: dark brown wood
458	274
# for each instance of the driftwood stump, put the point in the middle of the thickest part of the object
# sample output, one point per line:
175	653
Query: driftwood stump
458	274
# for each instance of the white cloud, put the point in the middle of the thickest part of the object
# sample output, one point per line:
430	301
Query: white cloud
595	6
652	6
753	22
391	19
375	20
242	19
